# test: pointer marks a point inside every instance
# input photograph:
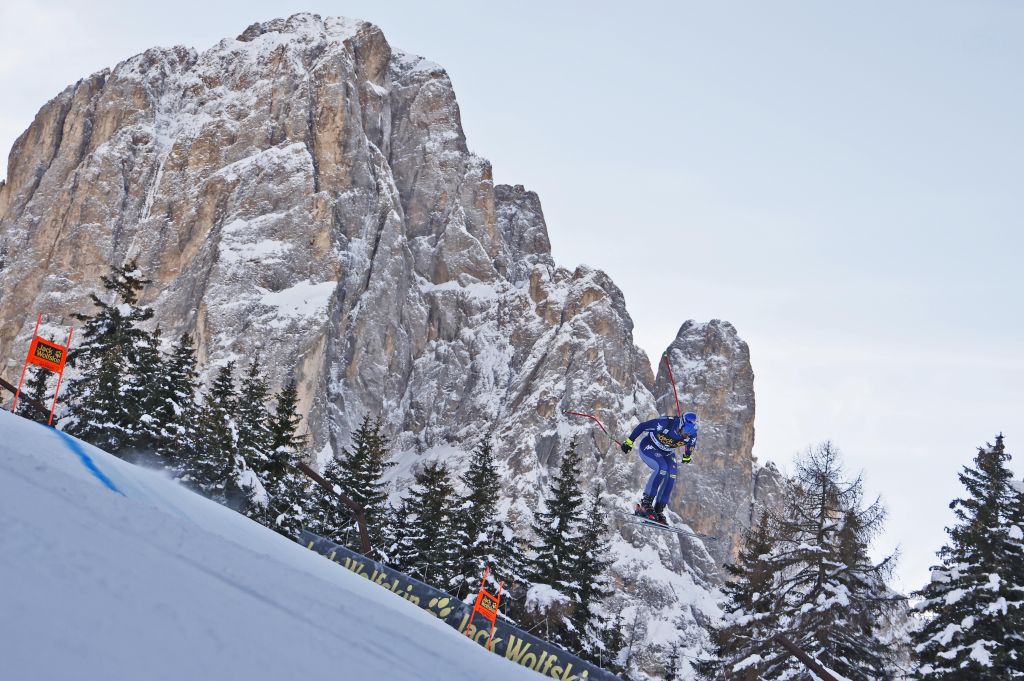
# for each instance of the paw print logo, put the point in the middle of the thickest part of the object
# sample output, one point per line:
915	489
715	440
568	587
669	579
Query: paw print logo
440	607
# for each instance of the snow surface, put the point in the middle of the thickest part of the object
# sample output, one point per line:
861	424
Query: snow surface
156	582
305	299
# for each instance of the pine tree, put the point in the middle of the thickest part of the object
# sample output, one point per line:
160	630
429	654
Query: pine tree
215	469
514	570
174	409
973	597
285	439
393	528
478	531
590	622
360	477
286	487
139	392
253	419
426	549
1015	523
327	516
615	646
558	527
743	645
104	398
36	389
832	595
673	664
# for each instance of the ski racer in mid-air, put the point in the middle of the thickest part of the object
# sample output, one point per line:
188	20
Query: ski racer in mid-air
656	441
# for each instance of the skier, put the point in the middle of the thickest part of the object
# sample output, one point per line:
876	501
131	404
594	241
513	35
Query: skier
658	440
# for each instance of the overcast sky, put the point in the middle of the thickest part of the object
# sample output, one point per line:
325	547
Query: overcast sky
841	181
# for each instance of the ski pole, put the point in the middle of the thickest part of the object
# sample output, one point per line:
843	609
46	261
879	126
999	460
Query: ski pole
668	366
595	420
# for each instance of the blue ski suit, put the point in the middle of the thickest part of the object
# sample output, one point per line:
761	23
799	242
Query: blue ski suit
660	438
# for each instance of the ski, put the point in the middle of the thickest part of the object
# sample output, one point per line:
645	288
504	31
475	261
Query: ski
632	519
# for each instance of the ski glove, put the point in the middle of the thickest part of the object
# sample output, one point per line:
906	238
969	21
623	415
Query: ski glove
626	446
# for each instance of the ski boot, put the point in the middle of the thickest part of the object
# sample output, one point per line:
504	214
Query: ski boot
645	509
659	515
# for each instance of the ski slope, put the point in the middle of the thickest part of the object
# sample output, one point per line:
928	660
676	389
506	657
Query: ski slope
115	572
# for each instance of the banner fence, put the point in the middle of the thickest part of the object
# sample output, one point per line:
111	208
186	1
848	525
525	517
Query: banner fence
509	641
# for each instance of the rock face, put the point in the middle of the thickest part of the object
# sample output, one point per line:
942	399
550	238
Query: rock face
711	366
305	191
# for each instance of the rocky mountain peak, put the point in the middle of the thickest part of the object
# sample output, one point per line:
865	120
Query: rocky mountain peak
305	191
714	378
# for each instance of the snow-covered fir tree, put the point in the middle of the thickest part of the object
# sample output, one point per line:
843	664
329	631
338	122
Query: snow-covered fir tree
253	418
140	392
108	395
557	528
285	439
36	389
831	594
1015	521
590	633
973	601
360	476
175	412
425	549
744	645
675	666
327	516
285	486
615	646
214	470
478	531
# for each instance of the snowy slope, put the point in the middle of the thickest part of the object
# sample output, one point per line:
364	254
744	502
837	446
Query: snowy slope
154	582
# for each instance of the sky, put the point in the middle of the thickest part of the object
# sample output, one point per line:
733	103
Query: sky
841	181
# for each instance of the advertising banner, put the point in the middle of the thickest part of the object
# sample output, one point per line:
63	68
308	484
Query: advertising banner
509	641
47	355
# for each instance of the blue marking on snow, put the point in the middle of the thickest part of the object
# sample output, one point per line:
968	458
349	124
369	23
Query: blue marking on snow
87	461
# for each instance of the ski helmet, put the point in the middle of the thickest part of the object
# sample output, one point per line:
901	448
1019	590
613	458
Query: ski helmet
688	424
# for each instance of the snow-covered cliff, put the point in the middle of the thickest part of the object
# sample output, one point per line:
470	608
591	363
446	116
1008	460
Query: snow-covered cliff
306	191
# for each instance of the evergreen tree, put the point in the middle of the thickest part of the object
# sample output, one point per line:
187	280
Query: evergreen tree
394	527
360	477
253	419
426	549
285	439
615	645
831	594
327	516
1015	523
673	664
105	397
478	531
557	526
139	390
514	570
286	486
215	469
486	539
590	622
36	389
751	611
974	597
174	409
